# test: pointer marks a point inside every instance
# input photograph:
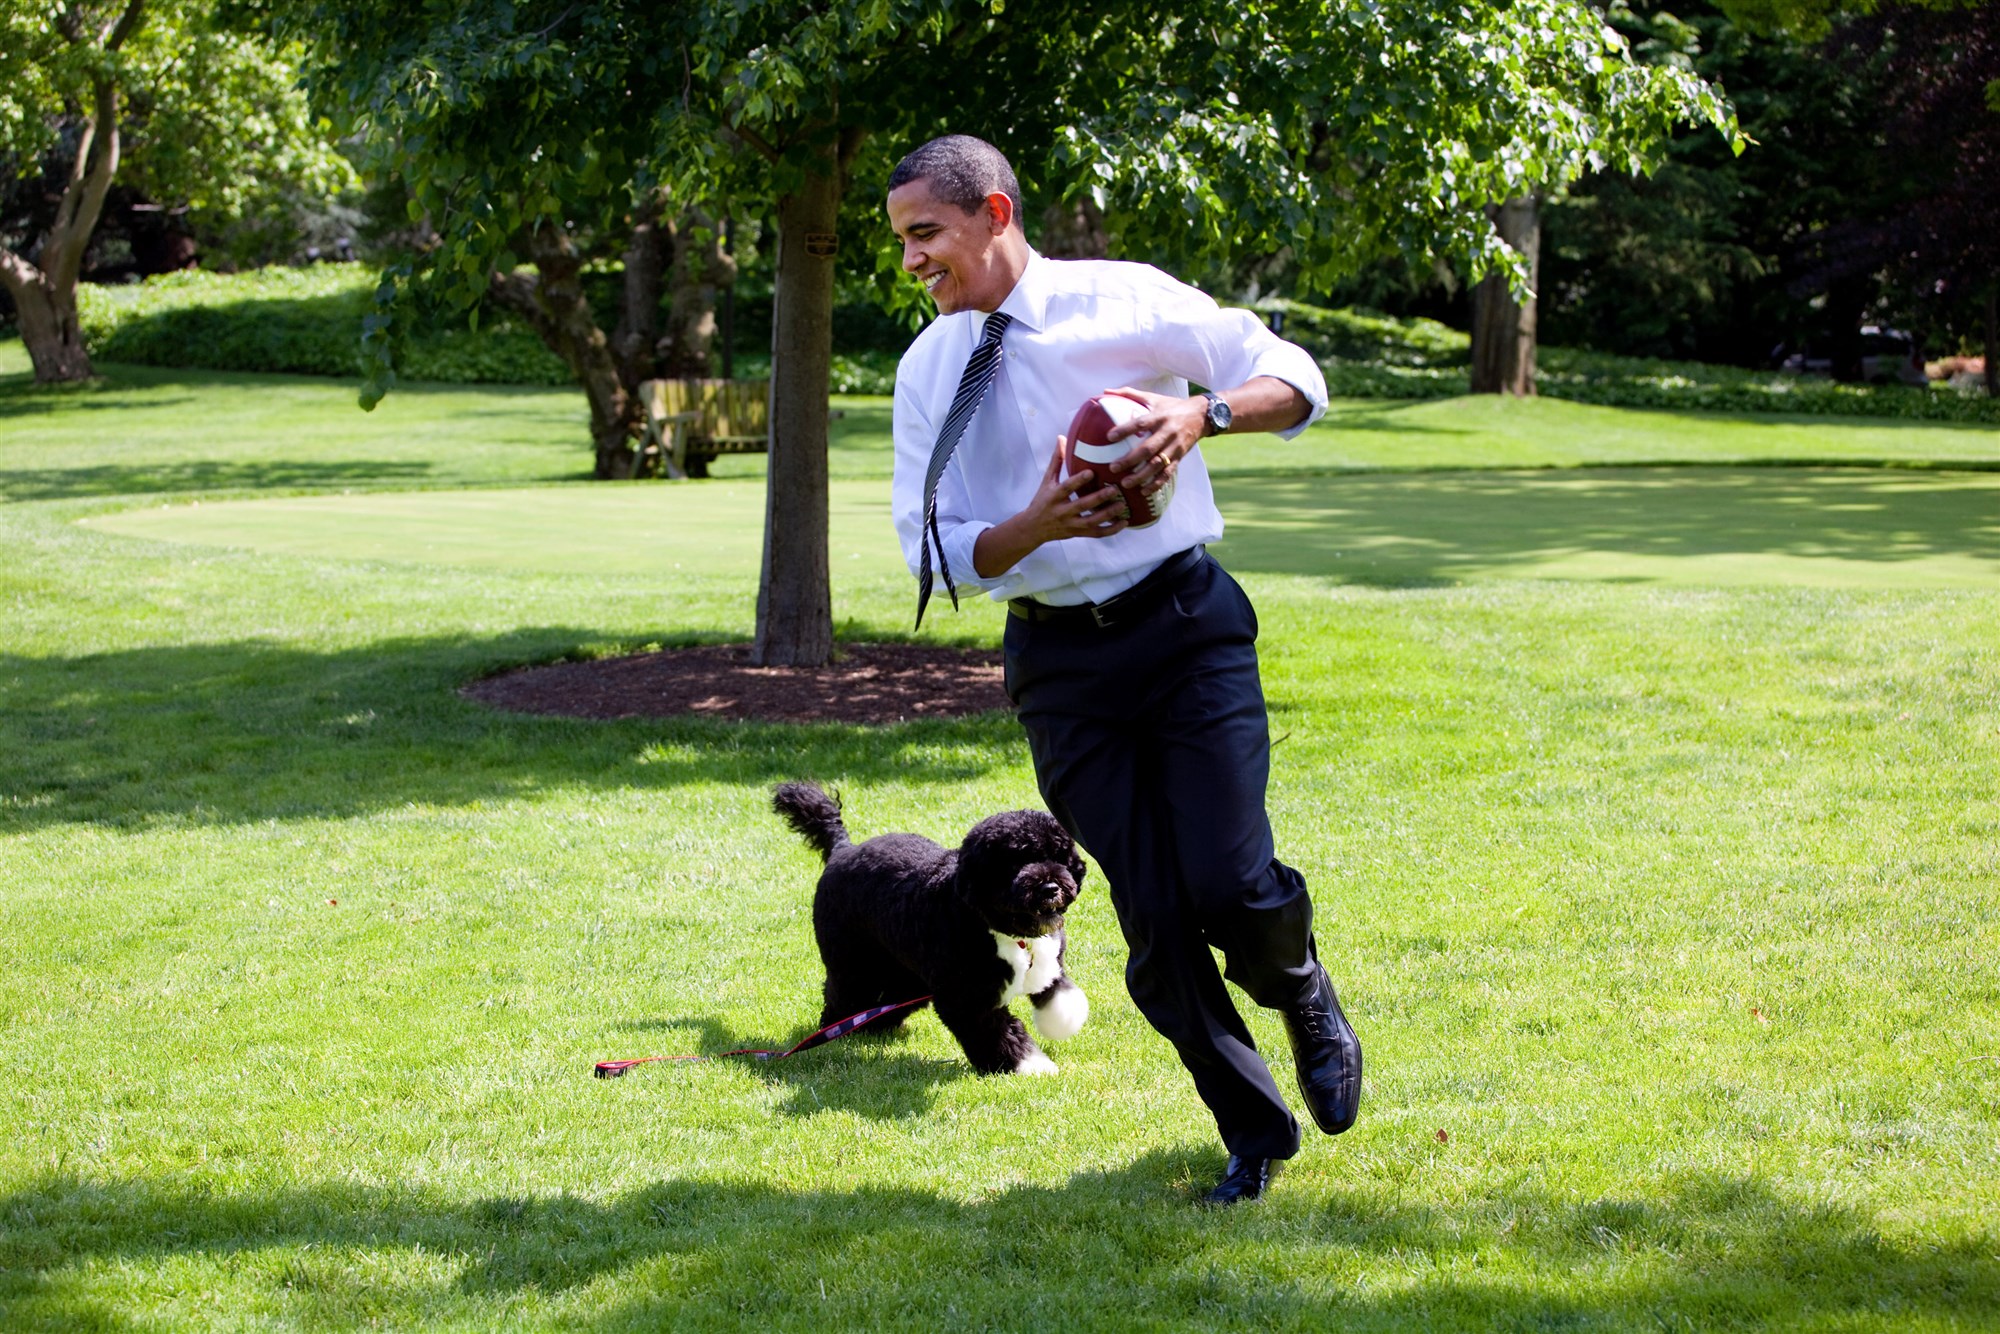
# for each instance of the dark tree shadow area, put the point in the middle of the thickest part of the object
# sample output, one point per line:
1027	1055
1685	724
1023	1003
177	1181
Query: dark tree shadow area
250	730
1437	527
1384	414
1120	1248
21	396
155	478
310	406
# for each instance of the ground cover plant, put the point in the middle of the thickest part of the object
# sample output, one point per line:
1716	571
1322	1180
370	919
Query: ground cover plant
1664	898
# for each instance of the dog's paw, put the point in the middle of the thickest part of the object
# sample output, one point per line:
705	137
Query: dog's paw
1034	1063
1065	1014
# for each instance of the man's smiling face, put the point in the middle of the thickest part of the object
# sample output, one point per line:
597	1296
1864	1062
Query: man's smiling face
961	258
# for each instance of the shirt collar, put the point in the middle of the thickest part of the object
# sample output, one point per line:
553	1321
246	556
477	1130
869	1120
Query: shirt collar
1028	303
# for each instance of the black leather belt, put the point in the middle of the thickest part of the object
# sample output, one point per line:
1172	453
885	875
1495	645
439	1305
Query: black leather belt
1113	610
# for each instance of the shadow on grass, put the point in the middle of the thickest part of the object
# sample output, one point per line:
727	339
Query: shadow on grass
1413	529
98	480
251	730
20	395
96	464
24	398
118	387
1119	1247
873	1078
1382	414
1696	415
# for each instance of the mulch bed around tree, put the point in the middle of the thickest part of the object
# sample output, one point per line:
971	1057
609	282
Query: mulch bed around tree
869	683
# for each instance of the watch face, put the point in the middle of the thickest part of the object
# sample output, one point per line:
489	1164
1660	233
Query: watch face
1219	415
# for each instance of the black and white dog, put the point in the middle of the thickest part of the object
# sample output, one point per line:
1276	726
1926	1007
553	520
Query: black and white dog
899	917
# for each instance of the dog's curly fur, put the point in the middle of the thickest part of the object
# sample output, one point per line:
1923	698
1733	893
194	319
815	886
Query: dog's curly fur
899	917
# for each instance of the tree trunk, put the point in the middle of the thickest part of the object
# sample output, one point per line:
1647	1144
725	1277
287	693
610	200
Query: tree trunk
553	304
49	326
1992	342
794	597
639	314
44	292
1074	231
1846	302
1503	329
701	268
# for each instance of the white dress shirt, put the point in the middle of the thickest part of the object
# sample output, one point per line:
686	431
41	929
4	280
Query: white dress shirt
1080	327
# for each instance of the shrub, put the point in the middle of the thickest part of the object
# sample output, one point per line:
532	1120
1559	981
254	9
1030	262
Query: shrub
303	320
299	321
1366	355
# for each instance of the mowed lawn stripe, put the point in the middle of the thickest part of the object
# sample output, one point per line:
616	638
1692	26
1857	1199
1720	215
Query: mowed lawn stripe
639	530
1743	527
1822	527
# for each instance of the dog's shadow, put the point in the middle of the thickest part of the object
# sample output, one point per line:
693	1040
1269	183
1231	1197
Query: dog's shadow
862	1073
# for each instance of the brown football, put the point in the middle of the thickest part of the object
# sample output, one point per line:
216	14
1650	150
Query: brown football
1088	450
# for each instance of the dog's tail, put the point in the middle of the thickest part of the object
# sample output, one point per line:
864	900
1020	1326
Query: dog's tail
813	813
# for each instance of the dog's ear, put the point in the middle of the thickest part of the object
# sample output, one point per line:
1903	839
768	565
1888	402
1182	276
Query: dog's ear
976	859
1058	845
993	850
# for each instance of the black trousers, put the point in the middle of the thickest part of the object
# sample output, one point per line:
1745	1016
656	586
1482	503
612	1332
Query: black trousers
1151	746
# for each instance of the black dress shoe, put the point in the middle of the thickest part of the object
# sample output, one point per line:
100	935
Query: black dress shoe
1327	1056
1244	1179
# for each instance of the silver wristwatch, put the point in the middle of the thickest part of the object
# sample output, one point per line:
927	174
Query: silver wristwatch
1219	415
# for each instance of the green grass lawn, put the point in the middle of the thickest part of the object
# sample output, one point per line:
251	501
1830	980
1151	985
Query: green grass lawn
1650	810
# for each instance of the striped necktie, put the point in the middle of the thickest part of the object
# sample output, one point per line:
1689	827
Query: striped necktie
980	369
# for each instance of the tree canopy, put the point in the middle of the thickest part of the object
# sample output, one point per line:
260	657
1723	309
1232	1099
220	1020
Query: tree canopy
165	99
1339	132
1868	196
1335	131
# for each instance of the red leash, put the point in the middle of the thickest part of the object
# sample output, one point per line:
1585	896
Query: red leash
839	1029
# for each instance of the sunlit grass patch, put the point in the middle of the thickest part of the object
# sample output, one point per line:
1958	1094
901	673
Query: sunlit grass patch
1665	905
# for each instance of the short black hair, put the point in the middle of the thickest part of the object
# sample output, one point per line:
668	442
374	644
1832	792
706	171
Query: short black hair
962	171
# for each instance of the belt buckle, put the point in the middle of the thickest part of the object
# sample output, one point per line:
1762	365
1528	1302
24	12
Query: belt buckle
1098	615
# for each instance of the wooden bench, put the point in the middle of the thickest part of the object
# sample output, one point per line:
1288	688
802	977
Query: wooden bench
689	422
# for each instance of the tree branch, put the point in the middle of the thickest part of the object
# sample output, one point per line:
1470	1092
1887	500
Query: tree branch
16	274
89	180
516	291
561	19
79	172
851	140
115	33
652	207
83	199
755	140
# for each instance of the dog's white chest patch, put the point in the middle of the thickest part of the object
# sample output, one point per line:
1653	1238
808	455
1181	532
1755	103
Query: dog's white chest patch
1036	963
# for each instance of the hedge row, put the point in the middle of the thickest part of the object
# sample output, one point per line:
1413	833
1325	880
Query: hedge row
299	321
1373	356
308	321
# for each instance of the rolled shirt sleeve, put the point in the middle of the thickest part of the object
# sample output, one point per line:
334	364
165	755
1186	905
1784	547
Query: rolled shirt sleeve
1221	348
